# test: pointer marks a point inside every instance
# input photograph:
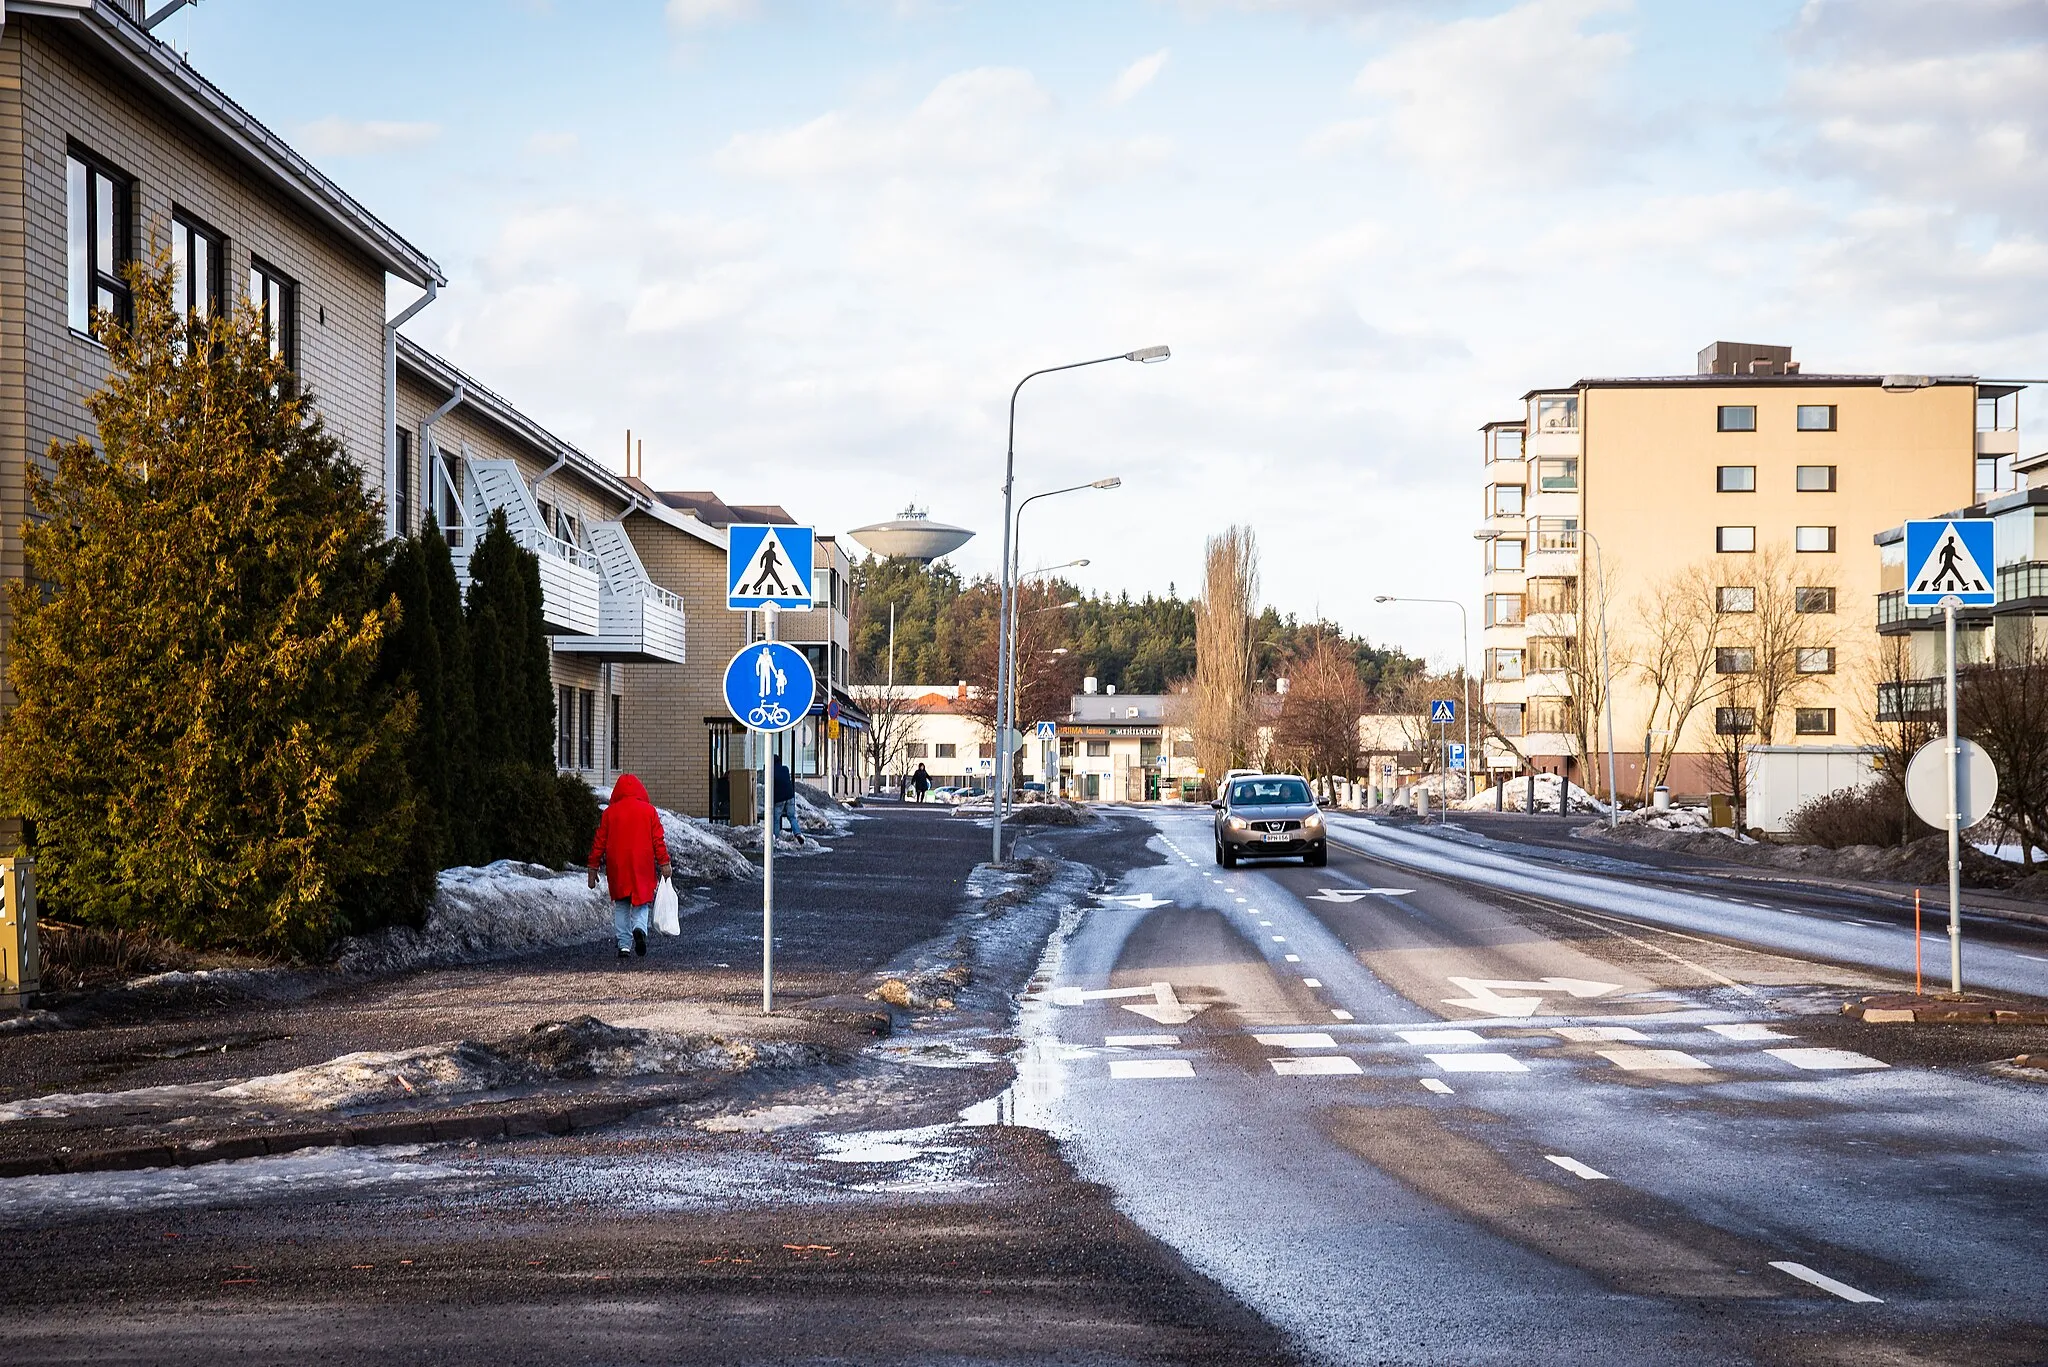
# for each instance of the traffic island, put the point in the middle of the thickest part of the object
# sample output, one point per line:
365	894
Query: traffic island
1909	1008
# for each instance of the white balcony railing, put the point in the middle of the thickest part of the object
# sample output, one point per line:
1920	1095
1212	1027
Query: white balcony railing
638	621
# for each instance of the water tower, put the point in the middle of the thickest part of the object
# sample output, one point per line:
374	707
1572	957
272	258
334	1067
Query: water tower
911	535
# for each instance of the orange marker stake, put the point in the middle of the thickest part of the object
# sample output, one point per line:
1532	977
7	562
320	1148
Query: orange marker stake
1916	942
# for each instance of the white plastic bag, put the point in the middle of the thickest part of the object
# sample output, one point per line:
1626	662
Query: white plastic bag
667	908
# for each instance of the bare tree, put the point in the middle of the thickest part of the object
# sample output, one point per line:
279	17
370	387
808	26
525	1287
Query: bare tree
1409	701
1900	721
1761	662
1585	665
2004	708
1316	732
1225	722
892	727
1675	656
1047	670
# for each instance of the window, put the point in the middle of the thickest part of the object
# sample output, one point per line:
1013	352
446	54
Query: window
565	726
1560	414
987	749
1504	666
1736	417
945	750
1734	721
586	729
1735	479
1815	660
1505	443
277	300
1807	599
1815	479
1734	660
1507	718
1739	599
1814	721
1557	533
1066	747
448	490
1553	595
1734	540
1549	653
1995	475
1098	749
99	240
402	495
1504	500
1503	609
1549	716
1504	553
916	749
1815	417
196	261
1813	539
618	721
1557	475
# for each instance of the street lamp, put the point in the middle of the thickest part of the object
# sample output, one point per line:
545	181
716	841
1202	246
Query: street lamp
1080	564
1144	356
1465	667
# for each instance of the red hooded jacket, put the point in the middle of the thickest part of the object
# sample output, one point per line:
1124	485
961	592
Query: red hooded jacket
629	843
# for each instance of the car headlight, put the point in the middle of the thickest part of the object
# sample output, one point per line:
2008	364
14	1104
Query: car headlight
1235	823
1312	822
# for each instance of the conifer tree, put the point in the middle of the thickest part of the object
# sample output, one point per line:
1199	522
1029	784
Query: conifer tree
202	742
458	701
521	810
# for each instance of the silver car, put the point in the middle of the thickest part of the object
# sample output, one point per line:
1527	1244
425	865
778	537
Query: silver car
1267	816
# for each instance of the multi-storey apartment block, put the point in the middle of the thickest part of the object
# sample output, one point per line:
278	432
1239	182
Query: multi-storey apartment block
1755	478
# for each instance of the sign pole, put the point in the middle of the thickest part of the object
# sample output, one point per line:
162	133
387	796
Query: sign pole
768	850
1955	834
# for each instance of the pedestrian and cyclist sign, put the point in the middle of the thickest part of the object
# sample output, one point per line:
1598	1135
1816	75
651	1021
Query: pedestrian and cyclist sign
1950	558
767	566
769	686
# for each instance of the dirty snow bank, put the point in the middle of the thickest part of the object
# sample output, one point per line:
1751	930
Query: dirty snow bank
491	912
1923	862
1515	798
697	851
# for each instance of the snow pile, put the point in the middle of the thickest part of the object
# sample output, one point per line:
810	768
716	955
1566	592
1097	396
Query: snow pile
498	910
1057	812
747	840
1689	820
696	852
368	1079
829	819
1516	797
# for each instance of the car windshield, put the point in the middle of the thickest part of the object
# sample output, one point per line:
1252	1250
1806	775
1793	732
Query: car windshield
1269	792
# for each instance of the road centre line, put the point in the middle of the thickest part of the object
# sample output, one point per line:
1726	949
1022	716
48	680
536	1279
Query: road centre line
1576	1168
1311	982
1828	1284
1294	958
1437	1085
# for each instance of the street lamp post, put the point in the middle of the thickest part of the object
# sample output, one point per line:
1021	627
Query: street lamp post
1465	665
1144	355
1009	718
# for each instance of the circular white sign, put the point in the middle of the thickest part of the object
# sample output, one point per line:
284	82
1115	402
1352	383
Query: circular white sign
1927	783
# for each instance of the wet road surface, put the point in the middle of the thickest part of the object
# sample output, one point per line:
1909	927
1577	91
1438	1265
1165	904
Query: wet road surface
1447	1110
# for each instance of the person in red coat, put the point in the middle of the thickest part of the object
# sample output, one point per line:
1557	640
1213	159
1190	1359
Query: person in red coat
631	851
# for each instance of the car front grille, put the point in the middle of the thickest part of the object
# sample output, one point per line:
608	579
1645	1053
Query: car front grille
1276	826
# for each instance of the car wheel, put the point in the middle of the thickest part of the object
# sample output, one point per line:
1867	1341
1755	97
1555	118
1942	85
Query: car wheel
1227	856
1318	857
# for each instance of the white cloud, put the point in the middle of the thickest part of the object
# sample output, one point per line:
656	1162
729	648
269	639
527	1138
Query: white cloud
1527	94
339	137
1137	76
552	144
971	120
692	14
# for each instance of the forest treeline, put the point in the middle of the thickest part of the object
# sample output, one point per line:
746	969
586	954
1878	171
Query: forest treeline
1139	645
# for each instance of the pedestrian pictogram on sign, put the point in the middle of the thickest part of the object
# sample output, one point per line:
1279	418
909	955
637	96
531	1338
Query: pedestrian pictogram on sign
767	566
1048	730
1950	558
1442	712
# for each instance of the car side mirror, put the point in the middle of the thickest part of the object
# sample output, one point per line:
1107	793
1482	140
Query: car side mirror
1325	802
1218	805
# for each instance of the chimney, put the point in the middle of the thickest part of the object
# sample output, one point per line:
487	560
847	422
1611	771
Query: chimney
1111	690
1746	358
960	691
1088	685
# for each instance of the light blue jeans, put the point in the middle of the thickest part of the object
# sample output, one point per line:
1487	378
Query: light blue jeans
787	810
627	918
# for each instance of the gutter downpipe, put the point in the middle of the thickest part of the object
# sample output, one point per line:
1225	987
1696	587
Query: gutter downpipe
391	328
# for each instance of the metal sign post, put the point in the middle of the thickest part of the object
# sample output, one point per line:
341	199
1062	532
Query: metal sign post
1955	824
767	847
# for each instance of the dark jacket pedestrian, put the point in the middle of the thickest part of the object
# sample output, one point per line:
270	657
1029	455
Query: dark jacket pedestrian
921	781
785	783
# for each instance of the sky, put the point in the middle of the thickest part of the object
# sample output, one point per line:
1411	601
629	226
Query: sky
805	250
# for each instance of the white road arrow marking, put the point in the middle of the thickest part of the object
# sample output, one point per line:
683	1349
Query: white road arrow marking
1143	901
1485	992
1353	894
1166	1008
1074	996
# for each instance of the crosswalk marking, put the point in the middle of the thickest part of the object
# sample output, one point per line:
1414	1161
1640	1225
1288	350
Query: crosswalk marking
1825	1060
1116	1041
1576	1168
1478	1063
1443	1036
1651	1060
1311	982
1827	1284
1340	1015
1327	1066
1437	1085
1306	1039
1594	1034
1746	1030
1151	1068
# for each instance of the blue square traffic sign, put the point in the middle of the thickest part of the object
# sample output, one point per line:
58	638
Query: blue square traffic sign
1950	558
767	566
1443	711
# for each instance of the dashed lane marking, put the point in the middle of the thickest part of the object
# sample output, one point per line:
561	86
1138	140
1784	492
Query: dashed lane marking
1151	1068
1651	1060
1326	1066
1478	1063
1311	982
1746	1030
1341	1015
1576	1168
1443	1037
1114	1041
1297	1040
1594	1034
1294	958
1265	923
1827	1284
1826	1060
1279	939
1437	1085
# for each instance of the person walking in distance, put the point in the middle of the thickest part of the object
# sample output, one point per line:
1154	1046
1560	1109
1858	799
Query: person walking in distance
785	800
630	849
921	781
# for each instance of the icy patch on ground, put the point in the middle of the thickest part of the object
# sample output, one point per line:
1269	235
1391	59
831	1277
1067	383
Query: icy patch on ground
35	1200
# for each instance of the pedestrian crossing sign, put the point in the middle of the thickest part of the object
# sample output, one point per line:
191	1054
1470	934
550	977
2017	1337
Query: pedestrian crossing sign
1442	712
1950	558
767	566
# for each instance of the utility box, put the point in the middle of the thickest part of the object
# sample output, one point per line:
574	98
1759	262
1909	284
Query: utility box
1720	810
742	808
21	956
1781	777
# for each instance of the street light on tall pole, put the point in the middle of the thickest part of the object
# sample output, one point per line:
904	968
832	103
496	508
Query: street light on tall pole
1464	665
1143	355
1009	718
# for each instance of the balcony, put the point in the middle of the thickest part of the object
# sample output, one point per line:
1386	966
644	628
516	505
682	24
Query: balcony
1912	700
569	579
637	622
2021	581
2022	586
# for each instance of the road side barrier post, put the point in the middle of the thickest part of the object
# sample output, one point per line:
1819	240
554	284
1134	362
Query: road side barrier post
21	959
1531	808
1917	988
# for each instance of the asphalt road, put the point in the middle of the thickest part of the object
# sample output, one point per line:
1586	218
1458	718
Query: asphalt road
1461	1108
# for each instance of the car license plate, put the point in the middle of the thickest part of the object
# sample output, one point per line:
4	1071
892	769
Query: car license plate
1278	837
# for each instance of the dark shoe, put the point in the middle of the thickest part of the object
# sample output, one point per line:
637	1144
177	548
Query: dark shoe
624	955
639	942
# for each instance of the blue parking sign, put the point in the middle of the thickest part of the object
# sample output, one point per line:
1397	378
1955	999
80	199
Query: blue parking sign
1457	754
